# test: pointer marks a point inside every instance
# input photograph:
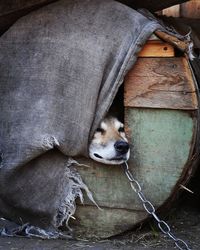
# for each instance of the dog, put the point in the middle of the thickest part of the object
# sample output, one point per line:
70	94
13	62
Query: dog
109	144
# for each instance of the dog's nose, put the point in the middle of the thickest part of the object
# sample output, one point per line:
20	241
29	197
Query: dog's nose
121	147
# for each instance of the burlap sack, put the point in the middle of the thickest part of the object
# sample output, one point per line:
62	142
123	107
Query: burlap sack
60	69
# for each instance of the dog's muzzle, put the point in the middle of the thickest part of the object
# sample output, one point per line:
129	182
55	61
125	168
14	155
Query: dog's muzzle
119	154
121	147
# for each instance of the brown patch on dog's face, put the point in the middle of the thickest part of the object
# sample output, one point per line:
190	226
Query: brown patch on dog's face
109	144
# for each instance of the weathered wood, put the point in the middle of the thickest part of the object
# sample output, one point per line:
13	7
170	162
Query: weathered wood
186	25
152	5
173	11
190	9
174	41
157	49
160	83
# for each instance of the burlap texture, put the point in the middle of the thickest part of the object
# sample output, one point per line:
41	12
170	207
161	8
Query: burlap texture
60	69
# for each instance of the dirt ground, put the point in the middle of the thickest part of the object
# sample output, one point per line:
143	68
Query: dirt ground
184	220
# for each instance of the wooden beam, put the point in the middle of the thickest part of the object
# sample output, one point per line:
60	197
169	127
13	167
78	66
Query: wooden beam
152	5
157	49
173	11
190	9
160	83
173	40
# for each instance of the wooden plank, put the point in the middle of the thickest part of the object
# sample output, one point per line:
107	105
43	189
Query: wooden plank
173	40
152	5
190	9
160	83
173	11
182	26
157	49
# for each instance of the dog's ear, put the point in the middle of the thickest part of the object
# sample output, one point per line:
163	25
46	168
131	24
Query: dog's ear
117	107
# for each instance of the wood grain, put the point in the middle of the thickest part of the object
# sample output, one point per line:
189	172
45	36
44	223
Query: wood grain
191	9
173	11
157	49
160	83
173	40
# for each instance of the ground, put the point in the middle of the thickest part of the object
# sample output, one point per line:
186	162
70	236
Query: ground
184	220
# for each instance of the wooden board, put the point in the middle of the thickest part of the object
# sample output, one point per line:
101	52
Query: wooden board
191	9
173	11
156	49
161	83
152	5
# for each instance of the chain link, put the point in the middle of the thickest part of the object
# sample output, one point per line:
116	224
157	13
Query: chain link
148	206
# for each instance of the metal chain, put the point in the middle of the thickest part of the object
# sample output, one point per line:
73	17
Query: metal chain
148	206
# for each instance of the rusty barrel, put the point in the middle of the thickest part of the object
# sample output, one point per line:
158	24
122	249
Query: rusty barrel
161	115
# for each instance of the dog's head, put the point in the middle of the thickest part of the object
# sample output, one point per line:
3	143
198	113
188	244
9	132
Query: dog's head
109	144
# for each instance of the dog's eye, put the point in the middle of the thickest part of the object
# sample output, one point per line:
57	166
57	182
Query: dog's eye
100	130
121	129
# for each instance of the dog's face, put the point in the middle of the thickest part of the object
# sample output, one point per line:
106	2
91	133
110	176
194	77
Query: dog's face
109	144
